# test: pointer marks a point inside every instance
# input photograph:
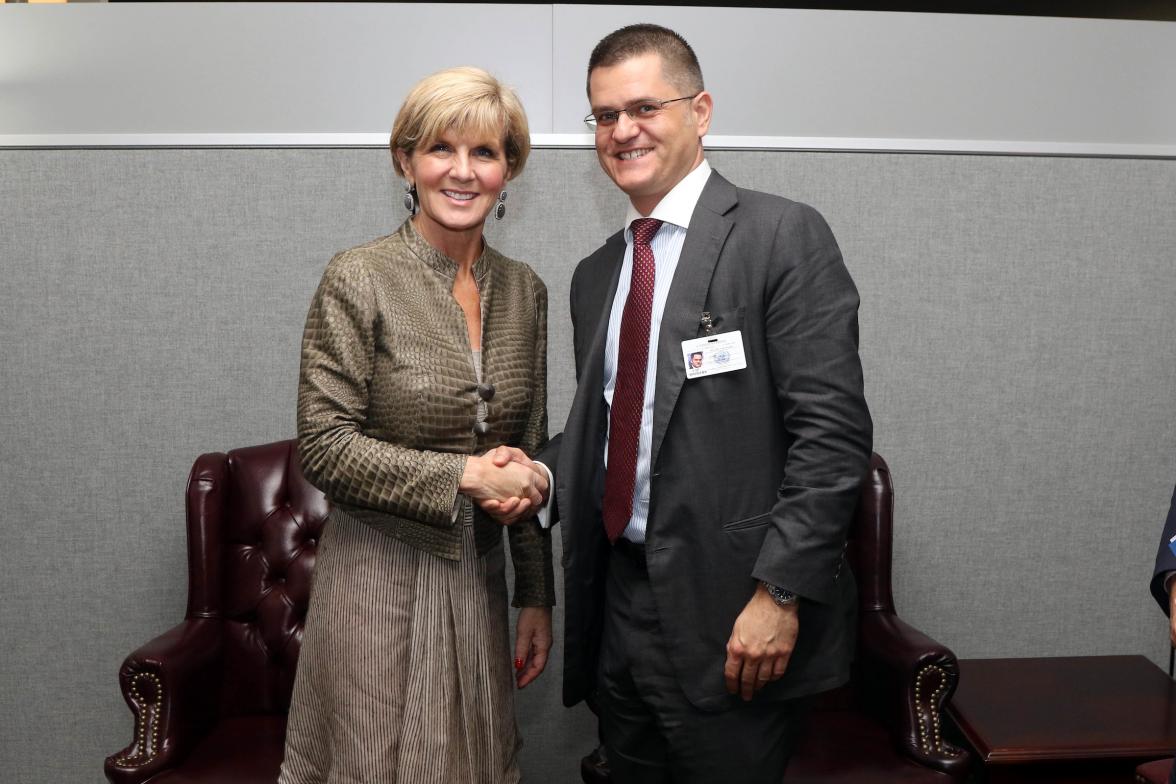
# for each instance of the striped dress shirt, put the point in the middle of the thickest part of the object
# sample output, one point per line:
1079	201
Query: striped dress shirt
674	210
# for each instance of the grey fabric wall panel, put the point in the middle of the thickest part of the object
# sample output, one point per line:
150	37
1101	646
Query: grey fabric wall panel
1017	334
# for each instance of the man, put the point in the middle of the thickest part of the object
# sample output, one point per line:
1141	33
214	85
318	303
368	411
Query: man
706	590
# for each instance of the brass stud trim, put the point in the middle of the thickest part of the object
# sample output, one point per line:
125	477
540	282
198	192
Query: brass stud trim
927	711
147	714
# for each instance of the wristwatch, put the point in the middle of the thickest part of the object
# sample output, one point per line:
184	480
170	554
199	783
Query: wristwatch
780	596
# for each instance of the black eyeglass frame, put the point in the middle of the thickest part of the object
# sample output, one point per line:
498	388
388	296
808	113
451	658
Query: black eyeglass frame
593	120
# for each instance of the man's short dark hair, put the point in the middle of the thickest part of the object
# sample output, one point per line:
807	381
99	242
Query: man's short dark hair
679	64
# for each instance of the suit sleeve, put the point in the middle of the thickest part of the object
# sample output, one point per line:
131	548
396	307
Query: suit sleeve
530	543
549	455
337	456
812	336
1165	558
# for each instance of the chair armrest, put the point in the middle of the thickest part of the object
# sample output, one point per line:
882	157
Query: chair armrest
171	687
908	678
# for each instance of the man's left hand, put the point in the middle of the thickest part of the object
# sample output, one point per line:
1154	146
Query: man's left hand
761	644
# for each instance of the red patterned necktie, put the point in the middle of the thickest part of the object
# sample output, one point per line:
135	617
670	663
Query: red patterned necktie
629	390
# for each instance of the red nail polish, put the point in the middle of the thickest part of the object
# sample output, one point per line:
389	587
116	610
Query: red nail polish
518	664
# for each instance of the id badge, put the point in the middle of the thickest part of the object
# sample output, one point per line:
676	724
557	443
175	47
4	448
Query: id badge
712	354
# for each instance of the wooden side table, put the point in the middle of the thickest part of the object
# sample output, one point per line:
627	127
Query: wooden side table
1069	719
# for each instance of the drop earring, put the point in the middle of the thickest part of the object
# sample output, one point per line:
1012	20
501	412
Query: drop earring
410	197
500	210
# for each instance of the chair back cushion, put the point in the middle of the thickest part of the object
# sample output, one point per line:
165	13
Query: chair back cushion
270	522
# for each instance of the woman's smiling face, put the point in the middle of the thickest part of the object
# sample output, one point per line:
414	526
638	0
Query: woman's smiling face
458	178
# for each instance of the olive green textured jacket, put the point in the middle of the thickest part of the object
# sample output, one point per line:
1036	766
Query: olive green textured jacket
388	396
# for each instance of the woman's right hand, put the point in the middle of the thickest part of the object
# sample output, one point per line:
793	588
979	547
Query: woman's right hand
482	480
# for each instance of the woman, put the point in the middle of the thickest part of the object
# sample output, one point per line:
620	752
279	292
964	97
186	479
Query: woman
422	351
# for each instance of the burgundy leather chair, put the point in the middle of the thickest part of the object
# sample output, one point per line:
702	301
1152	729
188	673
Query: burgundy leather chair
210	696
885	726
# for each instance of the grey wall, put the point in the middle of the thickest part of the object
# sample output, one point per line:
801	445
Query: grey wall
1017	337
816	78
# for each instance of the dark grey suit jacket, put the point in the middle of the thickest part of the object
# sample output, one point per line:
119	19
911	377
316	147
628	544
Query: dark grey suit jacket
754	473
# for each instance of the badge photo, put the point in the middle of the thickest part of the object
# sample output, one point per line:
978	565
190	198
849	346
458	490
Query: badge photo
712	354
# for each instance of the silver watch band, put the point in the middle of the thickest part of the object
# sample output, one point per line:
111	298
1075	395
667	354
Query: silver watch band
779	595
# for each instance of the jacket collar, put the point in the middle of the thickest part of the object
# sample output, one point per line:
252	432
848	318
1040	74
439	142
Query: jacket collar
444	265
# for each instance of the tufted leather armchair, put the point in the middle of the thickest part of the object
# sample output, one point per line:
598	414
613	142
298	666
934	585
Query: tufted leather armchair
210	696
885	726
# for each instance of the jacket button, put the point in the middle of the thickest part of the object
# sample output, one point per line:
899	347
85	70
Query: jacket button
481	428
486	391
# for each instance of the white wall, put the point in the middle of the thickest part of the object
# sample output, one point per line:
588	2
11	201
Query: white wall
238	74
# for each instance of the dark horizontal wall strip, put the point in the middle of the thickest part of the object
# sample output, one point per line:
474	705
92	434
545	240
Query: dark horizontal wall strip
1154	10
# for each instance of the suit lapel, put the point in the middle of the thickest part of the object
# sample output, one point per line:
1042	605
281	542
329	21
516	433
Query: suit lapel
600	299
709	227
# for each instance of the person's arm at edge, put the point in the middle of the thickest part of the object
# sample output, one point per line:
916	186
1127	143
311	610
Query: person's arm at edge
1165	570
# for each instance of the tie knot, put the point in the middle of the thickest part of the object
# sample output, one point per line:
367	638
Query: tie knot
644	229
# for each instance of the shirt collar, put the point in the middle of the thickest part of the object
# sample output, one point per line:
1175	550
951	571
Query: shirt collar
678	205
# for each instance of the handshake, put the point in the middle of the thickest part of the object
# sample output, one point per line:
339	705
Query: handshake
505	483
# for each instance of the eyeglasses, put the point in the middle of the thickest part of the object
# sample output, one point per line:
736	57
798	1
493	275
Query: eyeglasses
638	112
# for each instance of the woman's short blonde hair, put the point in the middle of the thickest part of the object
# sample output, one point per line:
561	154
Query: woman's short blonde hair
464	100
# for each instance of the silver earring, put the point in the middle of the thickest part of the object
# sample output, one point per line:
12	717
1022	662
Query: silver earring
500	210
410	197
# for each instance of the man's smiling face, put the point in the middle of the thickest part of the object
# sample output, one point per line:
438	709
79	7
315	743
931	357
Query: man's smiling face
647	158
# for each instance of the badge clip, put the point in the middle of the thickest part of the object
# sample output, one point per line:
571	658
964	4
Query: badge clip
706	323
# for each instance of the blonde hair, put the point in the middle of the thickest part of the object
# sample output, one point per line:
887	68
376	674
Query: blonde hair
465	100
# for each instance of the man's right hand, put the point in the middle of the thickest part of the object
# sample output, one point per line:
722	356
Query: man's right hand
508	510
501	455
506	489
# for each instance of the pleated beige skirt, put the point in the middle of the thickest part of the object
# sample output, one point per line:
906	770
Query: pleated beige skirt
405	671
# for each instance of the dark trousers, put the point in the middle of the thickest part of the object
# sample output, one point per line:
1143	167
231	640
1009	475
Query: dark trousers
652	734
